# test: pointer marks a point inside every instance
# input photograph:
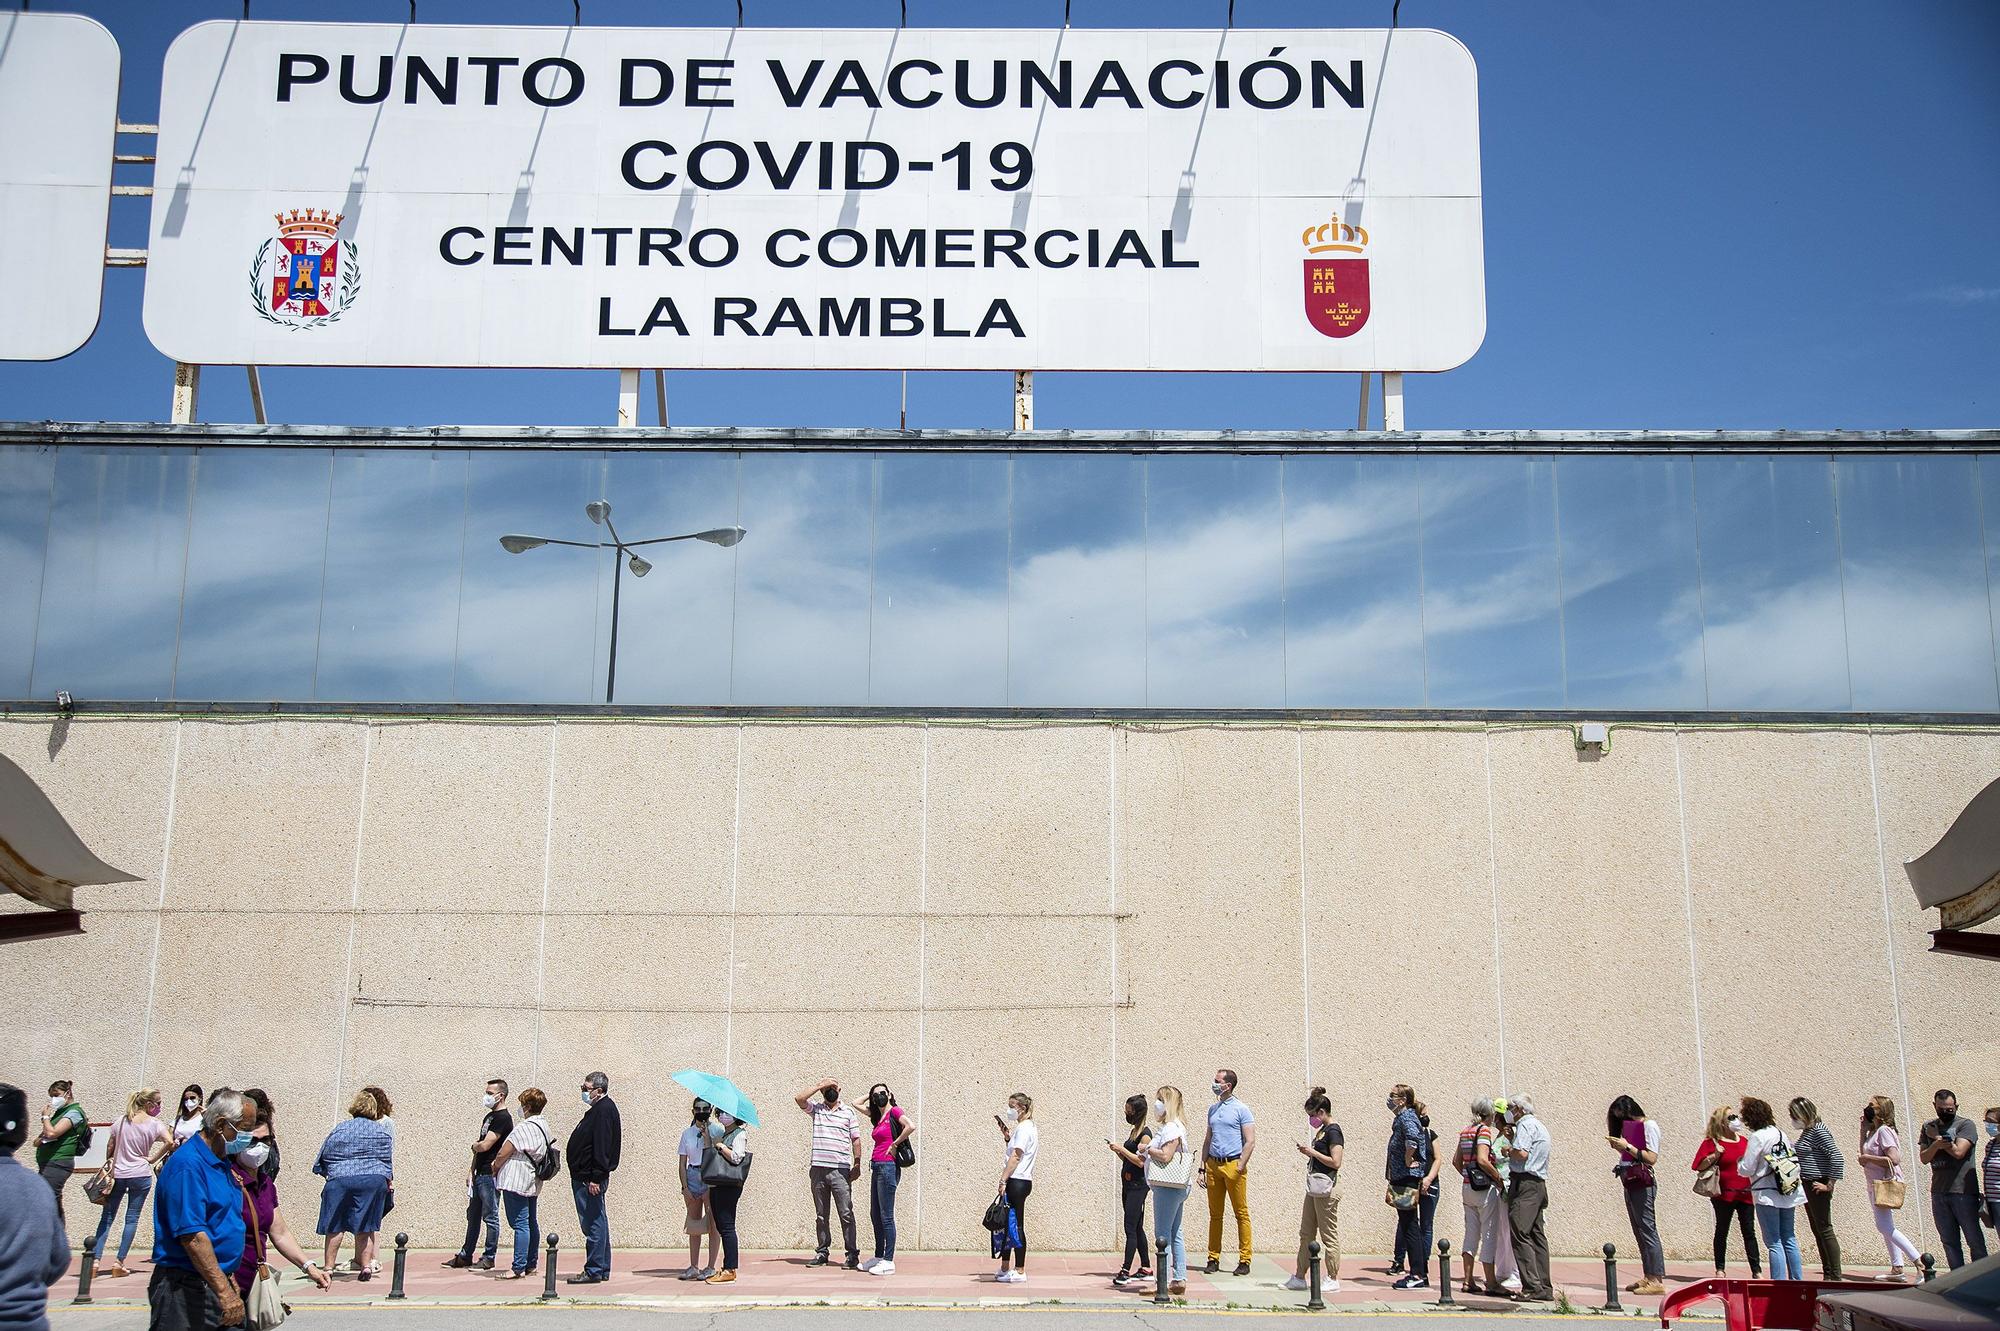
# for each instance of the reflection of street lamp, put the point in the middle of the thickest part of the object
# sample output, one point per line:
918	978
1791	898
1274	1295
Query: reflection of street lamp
622	554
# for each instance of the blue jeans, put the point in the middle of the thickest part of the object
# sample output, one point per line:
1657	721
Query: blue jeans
1779	1226
884	1175
131	1191
1956	1215
596	1229
527	1227
483	1206
1168	1204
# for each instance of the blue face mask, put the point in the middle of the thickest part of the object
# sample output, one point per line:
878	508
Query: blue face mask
238	1144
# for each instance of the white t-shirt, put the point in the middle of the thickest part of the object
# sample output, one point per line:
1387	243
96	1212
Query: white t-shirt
1027	1139
694	1142
529	1139
185	1128
1177	1172
1756	1167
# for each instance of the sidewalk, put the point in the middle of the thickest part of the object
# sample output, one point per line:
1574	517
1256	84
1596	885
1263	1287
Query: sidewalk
647	1279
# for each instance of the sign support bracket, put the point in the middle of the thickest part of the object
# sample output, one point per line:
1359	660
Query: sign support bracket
1024	399
187	392
1361	418
256	394
660	395
628	399
1392	399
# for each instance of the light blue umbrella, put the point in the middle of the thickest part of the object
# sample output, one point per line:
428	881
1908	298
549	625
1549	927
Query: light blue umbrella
720	1092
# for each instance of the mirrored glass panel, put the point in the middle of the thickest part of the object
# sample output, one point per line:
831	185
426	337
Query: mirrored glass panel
26	475
1919	619
1214	579
802	579
1492	631
117	542
1773	634
1353	590
256	561
940	608
1631	599
528	622
394	551
674	626
1077	581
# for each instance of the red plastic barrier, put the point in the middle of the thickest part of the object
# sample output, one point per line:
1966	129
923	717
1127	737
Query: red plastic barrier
1781	1305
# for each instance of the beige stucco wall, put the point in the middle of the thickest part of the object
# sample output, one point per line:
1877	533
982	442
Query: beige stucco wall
1080	911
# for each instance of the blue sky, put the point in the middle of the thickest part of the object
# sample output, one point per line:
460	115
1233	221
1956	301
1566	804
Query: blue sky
1698	215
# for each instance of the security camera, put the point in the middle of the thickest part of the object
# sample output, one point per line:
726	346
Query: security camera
1593	736
64	703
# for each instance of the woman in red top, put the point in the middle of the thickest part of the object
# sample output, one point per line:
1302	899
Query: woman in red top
1724	1145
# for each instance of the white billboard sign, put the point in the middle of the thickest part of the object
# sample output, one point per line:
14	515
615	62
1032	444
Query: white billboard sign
58	129
334	194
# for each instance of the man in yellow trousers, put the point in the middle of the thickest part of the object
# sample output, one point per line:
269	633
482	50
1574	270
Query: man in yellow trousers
1225	1168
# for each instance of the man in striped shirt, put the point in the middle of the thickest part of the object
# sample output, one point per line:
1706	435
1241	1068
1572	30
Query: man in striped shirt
836	1163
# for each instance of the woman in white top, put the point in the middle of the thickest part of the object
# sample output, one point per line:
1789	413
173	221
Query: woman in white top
1170	1175
189	1122
1777	1210
1020	1142
1881	1157
139	1141
514	1175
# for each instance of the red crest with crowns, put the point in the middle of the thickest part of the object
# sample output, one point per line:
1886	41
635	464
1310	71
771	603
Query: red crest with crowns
306	275
1336	277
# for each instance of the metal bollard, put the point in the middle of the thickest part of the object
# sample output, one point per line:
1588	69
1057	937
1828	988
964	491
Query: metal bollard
1160	1294
1444	1273
1611	1304
1930	1267
396	1273
1314	1303
549	1271
89	1270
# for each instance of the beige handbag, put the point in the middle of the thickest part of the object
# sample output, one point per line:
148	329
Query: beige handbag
262	1308
1887	1193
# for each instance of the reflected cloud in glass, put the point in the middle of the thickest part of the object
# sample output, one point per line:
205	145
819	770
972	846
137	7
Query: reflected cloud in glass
1492	635
1919	618
1774	634
256	561
802	579
1077	581
26	478
939	635
1353	583
1631	595
1214	574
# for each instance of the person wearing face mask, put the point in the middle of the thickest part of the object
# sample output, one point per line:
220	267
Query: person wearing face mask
518	1183
832	1168
1764	1162
139	1141
1636	1138
198	1229
356	1160
1405	1168
733	1145
1170	1177
1319	1216
1718	1166
188	1123
694	1193
34	1249
1881	1159
482	1198
1820	1167
1946	1144
1481	1193
594	1146
890	1132
64	1126
1132	1190
1528	1199
1225	1169
256	1167
1020	1143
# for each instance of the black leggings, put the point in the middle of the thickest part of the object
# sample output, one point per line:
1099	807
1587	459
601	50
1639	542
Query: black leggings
722	1200
1741	1212
1017	1197
1135	1227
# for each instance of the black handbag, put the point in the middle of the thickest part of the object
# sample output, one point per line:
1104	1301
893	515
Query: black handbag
717	1170
996	1214
906	1155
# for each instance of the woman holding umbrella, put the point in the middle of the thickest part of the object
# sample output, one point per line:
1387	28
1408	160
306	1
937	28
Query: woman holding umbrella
726	1165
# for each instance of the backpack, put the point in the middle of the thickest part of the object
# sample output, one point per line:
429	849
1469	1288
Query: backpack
550	1163
85	1134
1784	1165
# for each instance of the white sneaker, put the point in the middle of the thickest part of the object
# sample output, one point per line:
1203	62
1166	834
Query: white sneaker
1001	1275
1015	1277
1295	1282
885	1267
1330	1287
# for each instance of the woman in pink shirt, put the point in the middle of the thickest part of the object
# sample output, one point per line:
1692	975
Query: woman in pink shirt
891	1132
139	1141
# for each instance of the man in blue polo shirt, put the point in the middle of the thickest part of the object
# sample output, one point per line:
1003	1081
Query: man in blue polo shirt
198	1222
1225	1168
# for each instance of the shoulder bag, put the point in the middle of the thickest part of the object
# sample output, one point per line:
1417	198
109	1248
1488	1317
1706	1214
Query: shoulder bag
550	1163
1177	1172
906	1150
97	1188
262	1308
1887	1193
995	1218
1476	1178
716	1170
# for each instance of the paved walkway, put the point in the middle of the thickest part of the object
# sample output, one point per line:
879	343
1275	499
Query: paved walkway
647	1278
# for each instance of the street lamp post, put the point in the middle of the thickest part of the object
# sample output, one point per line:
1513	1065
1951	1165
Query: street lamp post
623	553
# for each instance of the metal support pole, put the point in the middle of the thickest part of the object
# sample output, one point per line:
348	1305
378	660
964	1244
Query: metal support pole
617	581
628	399
1314	1303
256	394
660	395
1024	399
187	392
1392	400
396	1272
1444	1273
549	1272
89	1269
1611	1304
1361	419
1160	1294
903	406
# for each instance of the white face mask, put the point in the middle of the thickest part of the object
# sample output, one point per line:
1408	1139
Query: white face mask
255	1156
1735	1123
57	1102
191	1103
489	1100
1012	1115
1160	1108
